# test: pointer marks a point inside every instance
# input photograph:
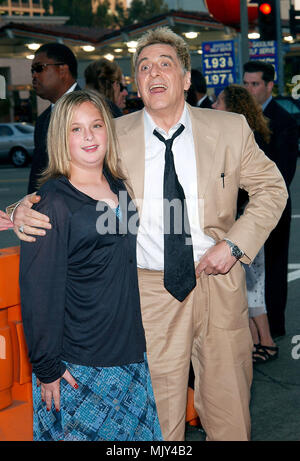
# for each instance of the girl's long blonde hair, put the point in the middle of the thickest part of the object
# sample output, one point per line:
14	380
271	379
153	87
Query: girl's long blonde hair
59	129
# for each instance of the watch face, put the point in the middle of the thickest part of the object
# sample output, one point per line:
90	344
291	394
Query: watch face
236	252
234	249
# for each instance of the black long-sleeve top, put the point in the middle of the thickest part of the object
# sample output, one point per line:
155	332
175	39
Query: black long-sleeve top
79	289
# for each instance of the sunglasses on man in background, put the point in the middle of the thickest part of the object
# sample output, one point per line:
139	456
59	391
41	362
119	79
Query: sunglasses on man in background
38	68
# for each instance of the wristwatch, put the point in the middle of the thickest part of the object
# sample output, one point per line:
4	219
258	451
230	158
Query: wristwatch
235	251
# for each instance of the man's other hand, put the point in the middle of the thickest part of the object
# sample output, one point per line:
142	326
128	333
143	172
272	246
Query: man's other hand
217	260
32	222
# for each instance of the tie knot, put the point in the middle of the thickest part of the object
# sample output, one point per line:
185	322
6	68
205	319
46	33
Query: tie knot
169	142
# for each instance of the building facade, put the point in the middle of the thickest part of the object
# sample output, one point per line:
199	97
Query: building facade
22	7
96	3
37	7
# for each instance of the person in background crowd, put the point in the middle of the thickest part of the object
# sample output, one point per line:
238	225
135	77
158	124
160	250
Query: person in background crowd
192	285
79	290
121	101
106	77
54	73
283	150
235	98
196	95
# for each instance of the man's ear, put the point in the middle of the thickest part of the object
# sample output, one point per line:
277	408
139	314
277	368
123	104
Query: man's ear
187	80
270	86
63	69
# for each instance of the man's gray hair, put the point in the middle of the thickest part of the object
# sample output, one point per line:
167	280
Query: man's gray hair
165	36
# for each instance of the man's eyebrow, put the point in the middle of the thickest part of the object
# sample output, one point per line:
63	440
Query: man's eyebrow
167	56
161	56
142	60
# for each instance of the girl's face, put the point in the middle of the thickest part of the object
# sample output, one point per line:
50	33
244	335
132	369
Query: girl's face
87	137
219	104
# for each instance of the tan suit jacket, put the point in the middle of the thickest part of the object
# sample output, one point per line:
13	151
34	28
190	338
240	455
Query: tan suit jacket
224	144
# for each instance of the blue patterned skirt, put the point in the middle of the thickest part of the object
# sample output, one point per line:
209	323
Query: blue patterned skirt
111	404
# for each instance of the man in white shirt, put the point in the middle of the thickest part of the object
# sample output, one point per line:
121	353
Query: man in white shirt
214	155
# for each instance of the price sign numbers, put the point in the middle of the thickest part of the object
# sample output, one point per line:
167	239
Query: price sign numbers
218	62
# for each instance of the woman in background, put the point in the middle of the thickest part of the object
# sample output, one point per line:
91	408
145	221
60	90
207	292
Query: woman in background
106	77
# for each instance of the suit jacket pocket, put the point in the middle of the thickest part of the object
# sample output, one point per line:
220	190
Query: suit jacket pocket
226	188
228	303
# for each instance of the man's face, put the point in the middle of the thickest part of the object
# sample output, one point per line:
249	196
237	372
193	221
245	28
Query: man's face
161	80
47	83
259	89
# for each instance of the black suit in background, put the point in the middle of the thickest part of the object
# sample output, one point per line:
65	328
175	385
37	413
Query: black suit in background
40	156
206	103
114	109
283	150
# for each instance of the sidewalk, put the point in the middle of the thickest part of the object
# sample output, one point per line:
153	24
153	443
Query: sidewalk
275	393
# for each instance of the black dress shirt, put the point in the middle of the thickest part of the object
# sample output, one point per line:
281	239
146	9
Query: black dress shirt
79	289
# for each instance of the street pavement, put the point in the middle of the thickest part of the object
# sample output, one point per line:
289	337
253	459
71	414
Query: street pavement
275	395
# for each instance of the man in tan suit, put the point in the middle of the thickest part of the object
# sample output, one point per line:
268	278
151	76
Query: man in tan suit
214	155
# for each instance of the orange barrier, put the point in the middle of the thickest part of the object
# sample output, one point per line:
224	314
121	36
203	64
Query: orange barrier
15	369
191	417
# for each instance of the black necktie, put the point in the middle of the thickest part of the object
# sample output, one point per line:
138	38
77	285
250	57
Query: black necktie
179	269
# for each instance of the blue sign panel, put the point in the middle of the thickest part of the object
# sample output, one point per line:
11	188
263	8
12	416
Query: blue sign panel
264	51
218	63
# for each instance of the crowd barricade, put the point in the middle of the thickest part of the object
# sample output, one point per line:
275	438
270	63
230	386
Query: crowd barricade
15	369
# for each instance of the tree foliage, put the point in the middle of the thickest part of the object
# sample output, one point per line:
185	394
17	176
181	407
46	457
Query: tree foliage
80	12
103	17
140	10
46	5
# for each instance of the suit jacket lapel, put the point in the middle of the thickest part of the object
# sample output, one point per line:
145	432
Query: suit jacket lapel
205	141
132	146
